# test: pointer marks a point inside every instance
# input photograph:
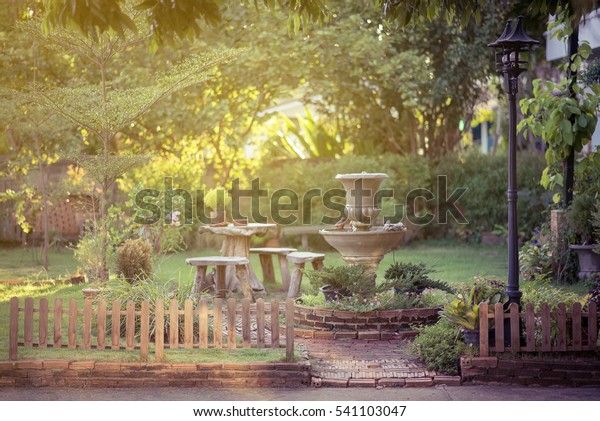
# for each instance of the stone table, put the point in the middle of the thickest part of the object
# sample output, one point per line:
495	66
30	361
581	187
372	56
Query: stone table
236	243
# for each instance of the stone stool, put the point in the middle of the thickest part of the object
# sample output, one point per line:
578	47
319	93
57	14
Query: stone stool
221	262
266	263
299	259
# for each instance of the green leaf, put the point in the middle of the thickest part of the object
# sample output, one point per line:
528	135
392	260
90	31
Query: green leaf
582	121
556	197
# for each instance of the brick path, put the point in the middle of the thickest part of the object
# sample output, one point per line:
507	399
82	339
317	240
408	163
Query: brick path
368	363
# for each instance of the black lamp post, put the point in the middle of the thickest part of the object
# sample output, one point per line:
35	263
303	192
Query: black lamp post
511	60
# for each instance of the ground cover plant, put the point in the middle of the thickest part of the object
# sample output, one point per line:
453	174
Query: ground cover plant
439	346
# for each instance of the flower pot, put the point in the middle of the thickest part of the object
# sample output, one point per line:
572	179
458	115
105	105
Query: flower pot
589	261
332	294
471	337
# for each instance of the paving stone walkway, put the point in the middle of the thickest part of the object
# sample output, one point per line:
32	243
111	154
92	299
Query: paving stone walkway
368	363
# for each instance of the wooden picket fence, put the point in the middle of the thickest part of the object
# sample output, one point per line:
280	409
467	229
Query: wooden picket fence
139	326
545	331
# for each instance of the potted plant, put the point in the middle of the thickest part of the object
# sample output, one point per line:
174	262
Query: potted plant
217	201
584	219
336	281
412	278
464	310
464	313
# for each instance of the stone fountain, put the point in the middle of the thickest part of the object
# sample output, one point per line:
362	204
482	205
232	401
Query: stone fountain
363	243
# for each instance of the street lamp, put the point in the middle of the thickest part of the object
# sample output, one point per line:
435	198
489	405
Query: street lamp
511	60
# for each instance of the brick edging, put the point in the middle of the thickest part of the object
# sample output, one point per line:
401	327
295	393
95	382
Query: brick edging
379	324
530	371
306	333
65	373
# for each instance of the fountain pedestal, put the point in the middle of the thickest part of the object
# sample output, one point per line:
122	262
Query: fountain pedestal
362	244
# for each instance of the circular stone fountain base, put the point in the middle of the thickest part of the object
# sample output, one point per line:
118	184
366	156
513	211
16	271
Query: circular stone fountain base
324	323
362	247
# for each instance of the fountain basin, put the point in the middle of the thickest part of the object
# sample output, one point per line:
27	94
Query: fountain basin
362	247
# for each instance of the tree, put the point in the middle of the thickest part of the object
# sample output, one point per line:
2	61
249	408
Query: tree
182	18
102	109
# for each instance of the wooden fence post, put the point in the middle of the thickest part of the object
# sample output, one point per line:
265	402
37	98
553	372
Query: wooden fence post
116	325
218	323
203	324
159	331
260	323
246	322
499	326
484	346
13	334
515	328
561	325
87	324
546	325
188	324
577	326
101	321
173	324
289	330
144	330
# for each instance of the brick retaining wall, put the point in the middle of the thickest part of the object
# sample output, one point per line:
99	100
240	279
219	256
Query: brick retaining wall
120	374
529	371
339	324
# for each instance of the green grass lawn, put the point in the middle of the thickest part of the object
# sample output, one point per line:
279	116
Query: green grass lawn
456	263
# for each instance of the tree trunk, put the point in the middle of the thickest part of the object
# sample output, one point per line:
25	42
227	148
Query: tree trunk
569	163
44	187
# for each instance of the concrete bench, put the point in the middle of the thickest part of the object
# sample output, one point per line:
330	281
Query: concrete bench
266	263
203	283
299	259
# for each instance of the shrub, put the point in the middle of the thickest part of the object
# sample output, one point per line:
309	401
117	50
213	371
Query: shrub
485	178
439	346
540	292
535	257
412	278
344	279
593	283
379	300
134	260
580	217
88	254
